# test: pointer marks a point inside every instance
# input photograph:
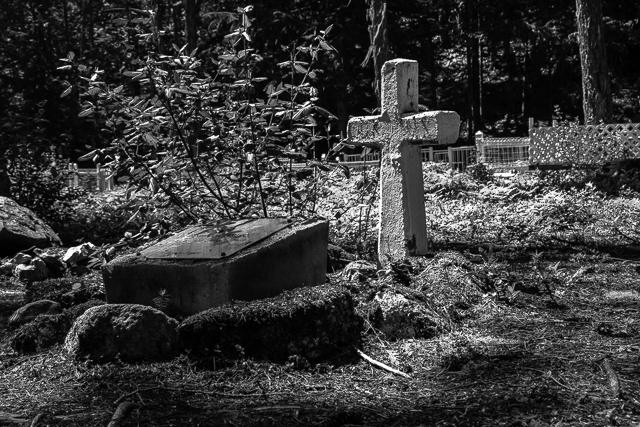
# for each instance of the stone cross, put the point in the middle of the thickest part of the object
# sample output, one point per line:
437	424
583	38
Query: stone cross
400	130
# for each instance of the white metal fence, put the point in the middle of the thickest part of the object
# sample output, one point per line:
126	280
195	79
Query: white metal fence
457	157
88	177
502	151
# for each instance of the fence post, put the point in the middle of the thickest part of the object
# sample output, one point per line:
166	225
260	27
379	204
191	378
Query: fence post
480	147
430	154
100	177
450	153
531	123
70	179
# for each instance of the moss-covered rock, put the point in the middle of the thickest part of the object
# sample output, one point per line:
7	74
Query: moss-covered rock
128	332
43	332
317	323
30	311
68	291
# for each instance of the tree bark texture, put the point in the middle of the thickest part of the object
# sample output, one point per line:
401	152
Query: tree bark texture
596	89
191	19
379	39
473	67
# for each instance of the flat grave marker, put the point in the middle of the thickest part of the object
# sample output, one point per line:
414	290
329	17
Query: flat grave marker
205	266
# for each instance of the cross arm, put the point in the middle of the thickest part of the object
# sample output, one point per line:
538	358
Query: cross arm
440	127
365	131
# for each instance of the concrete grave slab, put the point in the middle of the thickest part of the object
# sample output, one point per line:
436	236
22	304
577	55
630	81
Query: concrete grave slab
206	266
400	130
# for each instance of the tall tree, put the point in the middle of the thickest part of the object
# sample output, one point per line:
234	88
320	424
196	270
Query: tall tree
596	89
192	22
472	29
379	40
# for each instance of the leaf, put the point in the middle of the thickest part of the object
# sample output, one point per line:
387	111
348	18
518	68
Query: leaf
87	156
86	112
64	67
326	46
345	170
71	55
66	92
94	91
132	73
328	30
118	89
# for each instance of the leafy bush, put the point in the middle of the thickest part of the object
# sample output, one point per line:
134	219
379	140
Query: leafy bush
40	183
198	143
105	217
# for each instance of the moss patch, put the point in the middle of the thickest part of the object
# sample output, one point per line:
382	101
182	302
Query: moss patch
316	323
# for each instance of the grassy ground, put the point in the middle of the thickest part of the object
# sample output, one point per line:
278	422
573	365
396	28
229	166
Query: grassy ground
546	338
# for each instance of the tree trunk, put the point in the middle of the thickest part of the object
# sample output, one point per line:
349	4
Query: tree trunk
191	11
5	181
65	16
379	39
91	28
596	89
161	12
176	15
432	65
473	67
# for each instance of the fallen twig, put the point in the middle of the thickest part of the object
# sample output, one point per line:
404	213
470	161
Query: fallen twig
122	411
614	384
37	419
185	390
381	365
548	375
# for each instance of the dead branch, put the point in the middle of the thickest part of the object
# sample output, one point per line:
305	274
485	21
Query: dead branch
614	384
186	390
123	410
37	419
381	365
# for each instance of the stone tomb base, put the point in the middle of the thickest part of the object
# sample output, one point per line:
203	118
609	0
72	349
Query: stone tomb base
206	266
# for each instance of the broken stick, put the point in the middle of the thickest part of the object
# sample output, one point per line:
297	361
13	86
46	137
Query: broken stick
382	365
123	410
614	384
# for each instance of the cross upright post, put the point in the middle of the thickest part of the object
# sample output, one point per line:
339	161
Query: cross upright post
399	130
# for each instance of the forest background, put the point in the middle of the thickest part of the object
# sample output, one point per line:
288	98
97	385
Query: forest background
496	63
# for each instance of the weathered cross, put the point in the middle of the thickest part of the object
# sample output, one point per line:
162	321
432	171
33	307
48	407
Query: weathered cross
400	130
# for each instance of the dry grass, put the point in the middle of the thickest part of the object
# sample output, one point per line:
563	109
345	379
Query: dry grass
530	362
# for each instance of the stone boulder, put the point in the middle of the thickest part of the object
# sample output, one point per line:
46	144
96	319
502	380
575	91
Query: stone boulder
29	312
401	318
315	323
128	332
35	271
78	310
8	266
79	253
21	229
43	332
359	271
68	291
